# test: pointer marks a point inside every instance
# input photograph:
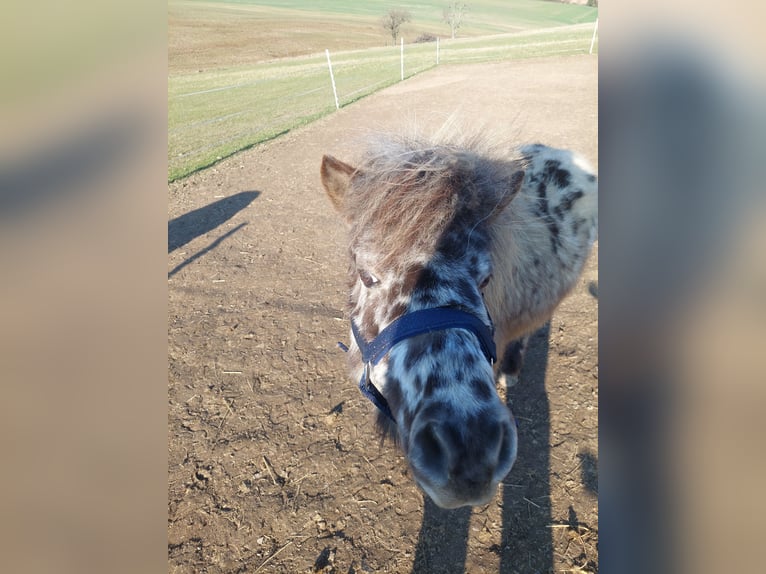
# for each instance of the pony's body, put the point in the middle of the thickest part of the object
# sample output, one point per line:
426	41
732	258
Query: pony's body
541	241
458	228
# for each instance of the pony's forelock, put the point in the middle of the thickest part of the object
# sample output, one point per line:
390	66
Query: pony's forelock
407	189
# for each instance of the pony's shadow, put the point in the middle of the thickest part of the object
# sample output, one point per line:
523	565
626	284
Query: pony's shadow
193	224
525	544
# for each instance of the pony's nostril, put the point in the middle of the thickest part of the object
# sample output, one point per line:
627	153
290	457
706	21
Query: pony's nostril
430	453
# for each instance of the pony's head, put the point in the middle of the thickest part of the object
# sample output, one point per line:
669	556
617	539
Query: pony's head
418	220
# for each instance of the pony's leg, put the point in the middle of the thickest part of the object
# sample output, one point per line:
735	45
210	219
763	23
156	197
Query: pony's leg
512	361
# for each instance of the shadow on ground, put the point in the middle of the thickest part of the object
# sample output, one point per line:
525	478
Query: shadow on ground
193	224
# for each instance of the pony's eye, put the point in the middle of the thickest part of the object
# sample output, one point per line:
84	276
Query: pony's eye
485	282
368	279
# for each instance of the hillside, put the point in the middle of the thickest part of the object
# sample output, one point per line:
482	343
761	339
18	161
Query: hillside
205	35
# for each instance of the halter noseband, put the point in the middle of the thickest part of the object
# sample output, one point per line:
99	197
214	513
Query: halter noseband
411	325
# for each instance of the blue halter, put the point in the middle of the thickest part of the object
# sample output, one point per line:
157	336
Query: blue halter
411	325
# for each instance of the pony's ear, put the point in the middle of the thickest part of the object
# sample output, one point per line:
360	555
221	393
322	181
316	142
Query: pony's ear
336	178
513	188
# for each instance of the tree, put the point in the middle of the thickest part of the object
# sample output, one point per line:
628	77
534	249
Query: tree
393	20
453	15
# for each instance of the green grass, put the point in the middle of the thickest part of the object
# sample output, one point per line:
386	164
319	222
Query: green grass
488	15
215	115
216	112
533	44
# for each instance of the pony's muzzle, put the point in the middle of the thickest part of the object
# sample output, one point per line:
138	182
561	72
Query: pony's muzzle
461	463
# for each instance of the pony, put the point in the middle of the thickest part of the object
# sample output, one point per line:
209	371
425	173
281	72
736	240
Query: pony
455	250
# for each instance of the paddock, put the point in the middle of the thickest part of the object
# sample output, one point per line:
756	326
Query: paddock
274	465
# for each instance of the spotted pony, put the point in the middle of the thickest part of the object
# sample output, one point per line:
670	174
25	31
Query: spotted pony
455	250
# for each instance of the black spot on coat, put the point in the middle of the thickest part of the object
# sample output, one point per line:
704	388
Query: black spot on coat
433	383
481	389
553	172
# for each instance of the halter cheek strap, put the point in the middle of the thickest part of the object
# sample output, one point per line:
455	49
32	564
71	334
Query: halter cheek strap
410	325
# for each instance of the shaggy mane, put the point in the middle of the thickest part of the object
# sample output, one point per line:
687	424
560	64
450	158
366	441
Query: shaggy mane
406	191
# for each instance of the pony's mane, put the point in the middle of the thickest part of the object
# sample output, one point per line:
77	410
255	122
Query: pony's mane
407	190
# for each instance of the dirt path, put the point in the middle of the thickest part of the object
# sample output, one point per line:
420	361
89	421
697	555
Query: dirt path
273	463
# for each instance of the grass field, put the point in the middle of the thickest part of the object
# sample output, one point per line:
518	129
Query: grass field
241	73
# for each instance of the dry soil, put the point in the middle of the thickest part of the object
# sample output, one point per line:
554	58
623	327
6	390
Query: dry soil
274	465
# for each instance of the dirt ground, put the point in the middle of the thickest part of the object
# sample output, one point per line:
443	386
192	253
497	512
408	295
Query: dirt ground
274	465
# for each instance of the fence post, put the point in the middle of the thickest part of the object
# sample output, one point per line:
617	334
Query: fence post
402	57
593	39
437	50
332	79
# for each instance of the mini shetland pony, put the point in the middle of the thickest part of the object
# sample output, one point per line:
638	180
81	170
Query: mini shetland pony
444	240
